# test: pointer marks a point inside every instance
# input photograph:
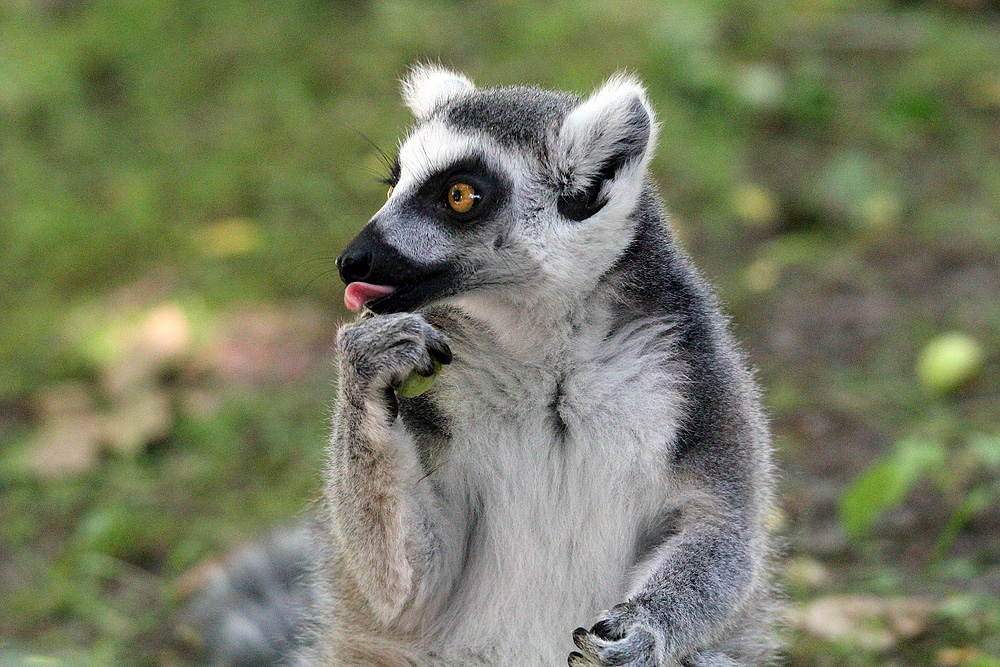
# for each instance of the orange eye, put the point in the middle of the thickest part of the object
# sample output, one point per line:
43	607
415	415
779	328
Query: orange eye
462	197
389	193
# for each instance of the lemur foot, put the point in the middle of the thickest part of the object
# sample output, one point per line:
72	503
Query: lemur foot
618	639
382	351
710	660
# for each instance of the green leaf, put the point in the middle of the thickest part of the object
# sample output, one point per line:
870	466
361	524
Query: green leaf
868	496
985	661
975	501
886	484
918	457
986	449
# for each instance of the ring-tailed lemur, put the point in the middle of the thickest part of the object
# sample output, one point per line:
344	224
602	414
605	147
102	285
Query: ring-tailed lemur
592	454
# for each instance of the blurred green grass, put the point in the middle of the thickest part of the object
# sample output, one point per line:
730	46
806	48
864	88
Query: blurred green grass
834	166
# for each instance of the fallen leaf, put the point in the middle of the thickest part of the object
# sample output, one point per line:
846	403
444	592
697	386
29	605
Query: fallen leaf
64	399
166	332
145	348
65	445
868	622
73	435
803	572
139	420
956	657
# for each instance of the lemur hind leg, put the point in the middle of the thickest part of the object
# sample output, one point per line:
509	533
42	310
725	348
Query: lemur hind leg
706	659
710	660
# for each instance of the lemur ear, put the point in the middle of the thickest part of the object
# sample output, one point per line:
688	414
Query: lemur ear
613	131
427	86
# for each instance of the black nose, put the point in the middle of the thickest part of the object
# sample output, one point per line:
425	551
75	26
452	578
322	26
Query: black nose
354	264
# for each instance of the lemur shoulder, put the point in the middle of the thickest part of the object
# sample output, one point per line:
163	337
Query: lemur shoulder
590	475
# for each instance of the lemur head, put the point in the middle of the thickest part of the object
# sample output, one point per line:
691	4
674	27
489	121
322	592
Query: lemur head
515	196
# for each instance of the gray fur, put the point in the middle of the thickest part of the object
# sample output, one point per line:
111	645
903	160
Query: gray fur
252	611
595	453
503	114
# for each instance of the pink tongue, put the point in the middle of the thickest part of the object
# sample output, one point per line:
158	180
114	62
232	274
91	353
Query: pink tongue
358	294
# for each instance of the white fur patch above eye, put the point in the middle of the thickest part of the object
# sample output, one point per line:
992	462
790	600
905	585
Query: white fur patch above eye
428	86
615	123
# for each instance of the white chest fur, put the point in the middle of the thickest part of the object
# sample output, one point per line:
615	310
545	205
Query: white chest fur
557	465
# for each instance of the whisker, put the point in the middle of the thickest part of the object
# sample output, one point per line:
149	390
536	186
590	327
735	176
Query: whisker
313	260
432	471
317	277
390	164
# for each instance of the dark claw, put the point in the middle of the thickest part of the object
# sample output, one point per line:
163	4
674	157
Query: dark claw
587	643
426	370
440	351
577	660
606	630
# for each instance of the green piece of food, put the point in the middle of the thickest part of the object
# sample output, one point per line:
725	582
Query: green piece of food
416	384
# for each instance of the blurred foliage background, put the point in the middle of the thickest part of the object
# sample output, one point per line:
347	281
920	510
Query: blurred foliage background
177	177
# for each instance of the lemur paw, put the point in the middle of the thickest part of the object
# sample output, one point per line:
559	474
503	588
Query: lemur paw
710	659
383	350
618	639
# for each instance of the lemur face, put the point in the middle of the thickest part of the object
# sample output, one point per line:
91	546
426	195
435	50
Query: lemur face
509	193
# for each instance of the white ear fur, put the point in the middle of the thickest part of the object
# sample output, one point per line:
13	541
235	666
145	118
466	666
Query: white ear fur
427	86
616	120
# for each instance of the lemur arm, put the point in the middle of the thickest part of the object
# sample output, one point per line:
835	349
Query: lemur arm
690	589
379	518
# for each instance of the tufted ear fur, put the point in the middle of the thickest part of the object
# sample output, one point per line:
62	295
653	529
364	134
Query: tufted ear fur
427	86
608	136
